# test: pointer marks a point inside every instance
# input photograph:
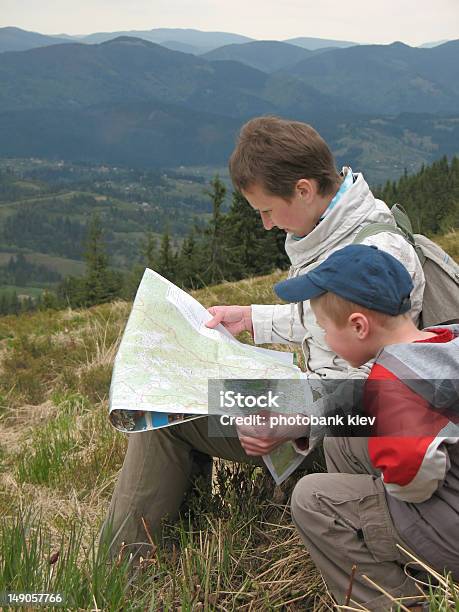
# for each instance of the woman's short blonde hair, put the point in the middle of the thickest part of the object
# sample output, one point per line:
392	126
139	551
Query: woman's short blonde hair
276	153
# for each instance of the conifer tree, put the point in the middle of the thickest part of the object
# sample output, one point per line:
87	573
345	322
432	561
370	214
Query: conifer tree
11	303
100	283
430	197
149	250
71	292
251	250
3	303
149	259
49	300
189	262
167	260
215	251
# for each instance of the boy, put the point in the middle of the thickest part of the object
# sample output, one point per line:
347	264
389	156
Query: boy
391	487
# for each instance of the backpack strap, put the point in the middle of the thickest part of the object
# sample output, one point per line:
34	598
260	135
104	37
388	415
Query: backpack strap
376	228
403	228
403	222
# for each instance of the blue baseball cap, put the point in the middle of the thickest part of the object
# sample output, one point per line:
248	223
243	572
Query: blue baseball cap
358	273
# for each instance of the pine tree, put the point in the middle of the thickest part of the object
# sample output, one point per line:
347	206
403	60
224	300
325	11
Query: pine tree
214	271
430	197
49	301
70	292
149	250
189	262
101	284
13	303
167	261
149	257
4	303
251	250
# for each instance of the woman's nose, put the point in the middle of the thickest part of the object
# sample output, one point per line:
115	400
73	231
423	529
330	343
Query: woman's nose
267	223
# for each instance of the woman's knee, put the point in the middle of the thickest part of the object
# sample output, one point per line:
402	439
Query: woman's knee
304	498
332	445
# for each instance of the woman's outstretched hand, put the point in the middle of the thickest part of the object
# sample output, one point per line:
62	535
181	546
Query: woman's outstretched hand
234	318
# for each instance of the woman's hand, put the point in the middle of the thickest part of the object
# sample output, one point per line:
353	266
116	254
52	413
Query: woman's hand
259	446
261	439
235	318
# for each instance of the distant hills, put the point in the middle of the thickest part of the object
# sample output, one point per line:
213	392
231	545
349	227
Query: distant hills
387	78
185	40
266	55
429	45
134	102
76	76
15	39
192	41
314	44
127	70
370	79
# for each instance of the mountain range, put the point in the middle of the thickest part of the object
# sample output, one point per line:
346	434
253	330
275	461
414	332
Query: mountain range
134	102
192	41
265	55
188	40
387	78
369	79
15	39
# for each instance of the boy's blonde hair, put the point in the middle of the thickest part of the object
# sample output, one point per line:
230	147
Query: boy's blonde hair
339	310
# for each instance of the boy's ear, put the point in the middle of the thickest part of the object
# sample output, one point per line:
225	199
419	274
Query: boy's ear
360	324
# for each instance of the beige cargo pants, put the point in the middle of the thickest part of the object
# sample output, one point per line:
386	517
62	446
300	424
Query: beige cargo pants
158	470
343	519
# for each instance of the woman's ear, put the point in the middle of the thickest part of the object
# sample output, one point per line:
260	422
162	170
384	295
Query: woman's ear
360	324
305	188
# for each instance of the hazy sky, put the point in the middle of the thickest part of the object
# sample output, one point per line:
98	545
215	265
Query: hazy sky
373	21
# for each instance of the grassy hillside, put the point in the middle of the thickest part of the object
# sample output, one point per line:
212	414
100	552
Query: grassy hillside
450	243
60	457
236	548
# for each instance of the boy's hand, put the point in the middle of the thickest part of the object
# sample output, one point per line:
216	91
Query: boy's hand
235	318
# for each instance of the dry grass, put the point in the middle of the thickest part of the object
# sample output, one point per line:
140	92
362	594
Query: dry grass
450	243
257	290
237	548
61	457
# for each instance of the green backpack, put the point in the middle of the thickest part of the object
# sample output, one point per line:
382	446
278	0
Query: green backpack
441	294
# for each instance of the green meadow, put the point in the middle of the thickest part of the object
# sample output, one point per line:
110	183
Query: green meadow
234	548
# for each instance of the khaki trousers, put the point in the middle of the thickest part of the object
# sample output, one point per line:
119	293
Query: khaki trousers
343	519
158	470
